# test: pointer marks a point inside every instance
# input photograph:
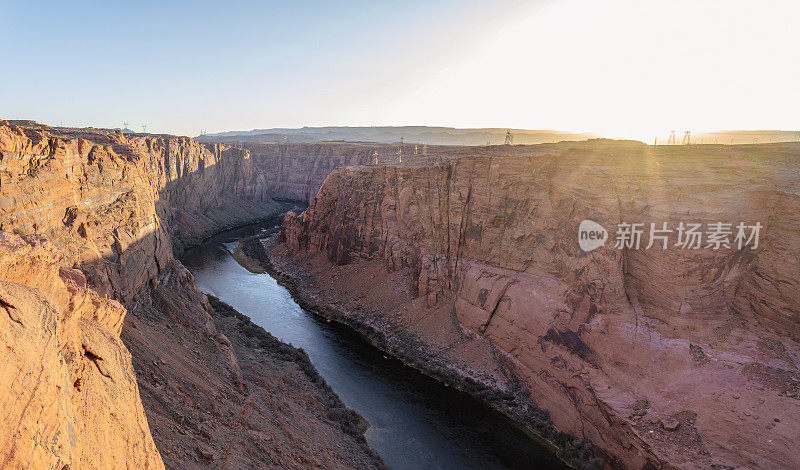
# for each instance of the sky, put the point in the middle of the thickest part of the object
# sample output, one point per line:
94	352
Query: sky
632	69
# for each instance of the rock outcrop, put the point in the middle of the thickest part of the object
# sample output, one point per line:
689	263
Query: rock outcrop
117	208
68	391
679	357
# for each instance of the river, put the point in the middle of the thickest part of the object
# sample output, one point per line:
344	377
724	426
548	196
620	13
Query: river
416	422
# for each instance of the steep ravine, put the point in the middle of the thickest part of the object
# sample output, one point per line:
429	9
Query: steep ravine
505	395
115	209
415	421
658	357
464	263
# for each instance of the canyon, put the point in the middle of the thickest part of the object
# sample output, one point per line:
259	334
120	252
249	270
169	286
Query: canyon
463	262
110	353
470	269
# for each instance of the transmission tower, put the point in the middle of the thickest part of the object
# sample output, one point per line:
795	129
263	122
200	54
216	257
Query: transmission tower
125	125
672	139
144	128
202	132
509	138
687	138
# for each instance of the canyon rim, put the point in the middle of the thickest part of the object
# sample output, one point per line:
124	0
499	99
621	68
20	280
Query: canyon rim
464	263
420	235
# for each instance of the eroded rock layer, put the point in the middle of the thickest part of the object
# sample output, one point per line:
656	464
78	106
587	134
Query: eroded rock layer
116	208
69	393
298	170
677	356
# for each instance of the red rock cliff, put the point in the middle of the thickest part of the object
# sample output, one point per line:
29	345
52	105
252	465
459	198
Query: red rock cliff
113	202
679	356
298	170
68	391
114	208
110	205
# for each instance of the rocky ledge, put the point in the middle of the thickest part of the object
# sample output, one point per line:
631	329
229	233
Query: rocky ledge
68	393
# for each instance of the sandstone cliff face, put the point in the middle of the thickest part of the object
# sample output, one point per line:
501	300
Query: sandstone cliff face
118	207
298	170
676	356
69	393
114	202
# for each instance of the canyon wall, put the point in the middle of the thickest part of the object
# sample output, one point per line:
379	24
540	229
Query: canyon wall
298	170
115	209
662	356
114	203
69	394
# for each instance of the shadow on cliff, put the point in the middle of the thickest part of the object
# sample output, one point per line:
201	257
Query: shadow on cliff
147	236
187	371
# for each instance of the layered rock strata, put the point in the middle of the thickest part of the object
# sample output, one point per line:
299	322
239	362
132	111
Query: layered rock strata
668	357
68	391
116	208
298	170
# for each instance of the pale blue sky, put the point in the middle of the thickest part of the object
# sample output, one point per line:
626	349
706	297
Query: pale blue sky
622	67
181	66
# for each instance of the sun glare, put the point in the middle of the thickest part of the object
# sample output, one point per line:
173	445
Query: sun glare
626	70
